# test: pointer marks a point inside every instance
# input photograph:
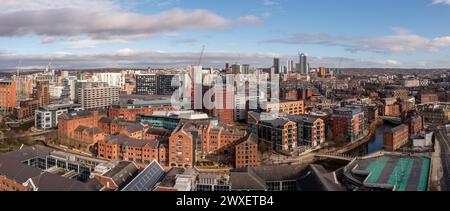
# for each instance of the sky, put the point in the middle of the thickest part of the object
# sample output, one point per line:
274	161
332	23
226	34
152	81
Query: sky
76	34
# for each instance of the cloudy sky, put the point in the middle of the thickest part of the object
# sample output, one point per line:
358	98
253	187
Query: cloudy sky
156	33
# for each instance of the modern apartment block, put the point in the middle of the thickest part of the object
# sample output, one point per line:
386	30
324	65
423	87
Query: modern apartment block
289	107
113	79
281	133
46	117
311	130
349	123
42	93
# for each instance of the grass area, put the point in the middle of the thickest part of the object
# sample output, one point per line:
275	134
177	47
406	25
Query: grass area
7	146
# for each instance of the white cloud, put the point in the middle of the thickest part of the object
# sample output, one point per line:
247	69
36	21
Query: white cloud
269	2
402	41
441	2
132	58
391	62
103	19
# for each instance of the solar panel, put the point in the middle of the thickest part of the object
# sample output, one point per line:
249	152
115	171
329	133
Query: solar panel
147	179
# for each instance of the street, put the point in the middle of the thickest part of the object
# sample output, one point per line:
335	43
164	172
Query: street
444	141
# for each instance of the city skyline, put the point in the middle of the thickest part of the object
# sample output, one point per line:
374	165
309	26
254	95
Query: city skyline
170	33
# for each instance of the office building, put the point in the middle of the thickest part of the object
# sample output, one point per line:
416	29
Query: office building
303	65
147	84
276	65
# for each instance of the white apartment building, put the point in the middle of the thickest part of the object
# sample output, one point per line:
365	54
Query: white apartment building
113	79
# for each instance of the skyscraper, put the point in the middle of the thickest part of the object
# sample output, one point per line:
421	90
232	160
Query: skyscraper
290	66
304	64
276	65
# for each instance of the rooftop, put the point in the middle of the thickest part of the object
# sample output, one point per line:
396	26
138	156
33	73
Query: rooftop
398	173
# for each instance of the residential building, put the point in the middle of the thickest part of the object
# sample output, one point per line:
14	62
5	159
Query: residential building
96	95
112	79
8	96
396	137
288	107
247	152
311	130
42	93
348	124
47	117
280	133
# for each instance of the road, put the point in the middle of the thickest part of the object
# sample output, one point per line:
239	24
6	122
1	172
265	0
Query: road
444	141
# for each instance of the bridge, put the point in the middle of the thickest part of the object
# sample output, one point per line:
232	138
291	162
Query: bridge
393	120
335	156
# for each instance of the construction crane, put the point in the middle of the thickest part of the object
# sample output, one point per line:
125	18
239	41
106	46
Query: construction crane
201	55
18	68
48	66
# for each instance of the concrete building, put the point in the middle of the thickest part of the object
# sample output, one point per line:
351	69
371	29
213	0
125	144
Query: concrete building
56	91
96	95
410	83
69	91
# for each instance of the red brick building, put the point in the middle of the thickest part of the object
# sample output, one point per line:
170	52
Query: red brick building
42	93
415	125
122	147
8	96
392	110
67	123
429	97
181	149
396	137
220	140
130	114
288	107
247	152
120	126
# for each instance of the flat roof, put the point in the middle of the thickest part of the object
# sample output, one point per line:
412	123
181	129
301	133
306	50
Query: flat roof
405	173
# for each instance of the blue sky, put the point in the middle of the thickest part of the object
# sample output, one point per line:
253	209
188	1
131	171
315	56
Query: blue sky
345	33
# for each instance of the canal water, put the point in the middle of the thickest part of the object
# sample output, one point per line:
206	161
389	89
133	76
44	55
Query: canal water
376	144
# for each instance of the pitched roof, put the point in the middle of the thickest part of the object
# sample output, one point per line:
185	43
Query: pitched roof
51	182
17	171
122	173
158	131
246	181
28	152
127	141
